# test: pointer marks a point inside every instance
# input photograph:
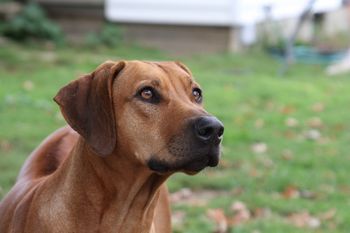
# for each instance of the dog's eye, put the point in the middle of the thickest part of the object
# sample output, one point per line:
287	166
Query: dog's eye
147	93
197	93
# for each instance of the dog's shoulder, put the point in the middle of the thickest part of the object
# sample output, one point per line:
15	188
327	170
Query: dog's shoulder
47	157
43	161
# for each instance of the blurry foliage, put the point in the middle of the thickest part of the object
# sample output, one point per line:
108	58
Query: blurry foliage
336	42
31	23
110	36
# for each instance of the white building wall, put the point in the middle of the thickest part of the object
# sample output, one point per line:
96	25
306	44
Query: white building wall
208	12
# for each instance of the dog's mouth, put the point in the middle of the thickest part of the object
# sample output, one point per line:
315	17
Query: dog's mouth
210	159
190	163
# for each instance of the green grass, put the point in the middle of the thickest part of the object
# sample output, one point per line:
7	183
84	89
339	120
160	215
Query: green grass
246	93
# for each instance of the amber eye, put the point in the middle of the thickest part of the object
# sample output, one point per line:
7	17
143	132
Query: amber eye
147	93
197	93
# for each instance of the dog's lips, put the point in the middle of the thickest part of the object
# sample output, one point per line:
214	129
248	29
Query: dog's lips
197	164
210	159
190	161
214	156
213	160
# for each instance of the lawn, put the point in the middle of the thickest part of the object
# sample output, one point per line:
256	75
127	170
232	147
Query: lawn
286	153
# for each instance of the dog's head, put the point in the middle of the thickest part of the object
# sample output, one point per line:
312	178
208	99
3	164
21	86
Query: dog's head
151	111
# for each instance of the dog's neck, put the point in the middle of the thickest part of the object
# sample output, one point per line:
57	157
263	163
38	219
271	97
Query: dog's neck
113	195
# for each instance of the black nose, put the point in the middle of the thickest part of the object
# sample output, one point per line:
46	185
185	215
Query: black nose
208	129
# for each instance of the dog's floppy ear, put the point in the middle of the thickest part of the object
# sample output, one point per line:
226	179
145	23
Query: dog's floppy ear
87	106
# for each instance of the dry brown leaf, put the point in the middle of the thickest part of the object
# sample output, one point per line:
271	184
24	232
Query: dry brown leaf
5	145
270	105
318	107
241	214
289	134
307	194
225	163
177	218
290	192
259	147
328	215
315	122
195	198
28	85
287	154
180	195
237	191
259	123
262	213
304	220
288	109
253	172
291	122
219	218
266	161
342	188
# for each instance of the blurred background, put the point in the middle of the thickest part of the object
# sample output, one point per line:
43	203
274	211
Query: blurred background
276	72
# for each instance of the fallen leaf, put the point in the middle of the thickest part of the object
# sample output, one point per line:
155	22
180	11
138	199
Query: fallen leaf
219	218
241	214
339	127
180	195
289	134
48	56
259	123
259	147
262	213
266	161
304	219
291	122
344	188
5	145
253	172
315	122
328	215
313	134
225	163
324	140
178	218
288	109
195	198
318	107
306	194
28	85
287	154
237	191
291	192
270	105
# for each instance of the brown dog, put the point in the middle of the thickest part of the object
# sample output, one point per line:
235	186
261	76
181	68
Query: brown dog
135	123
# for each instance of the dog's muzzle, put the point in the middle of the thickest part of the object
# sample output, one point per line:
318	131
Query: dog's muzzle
194	150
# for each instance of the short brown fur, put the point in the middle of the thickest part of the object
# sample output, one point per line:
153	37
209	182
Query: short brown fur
94	177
